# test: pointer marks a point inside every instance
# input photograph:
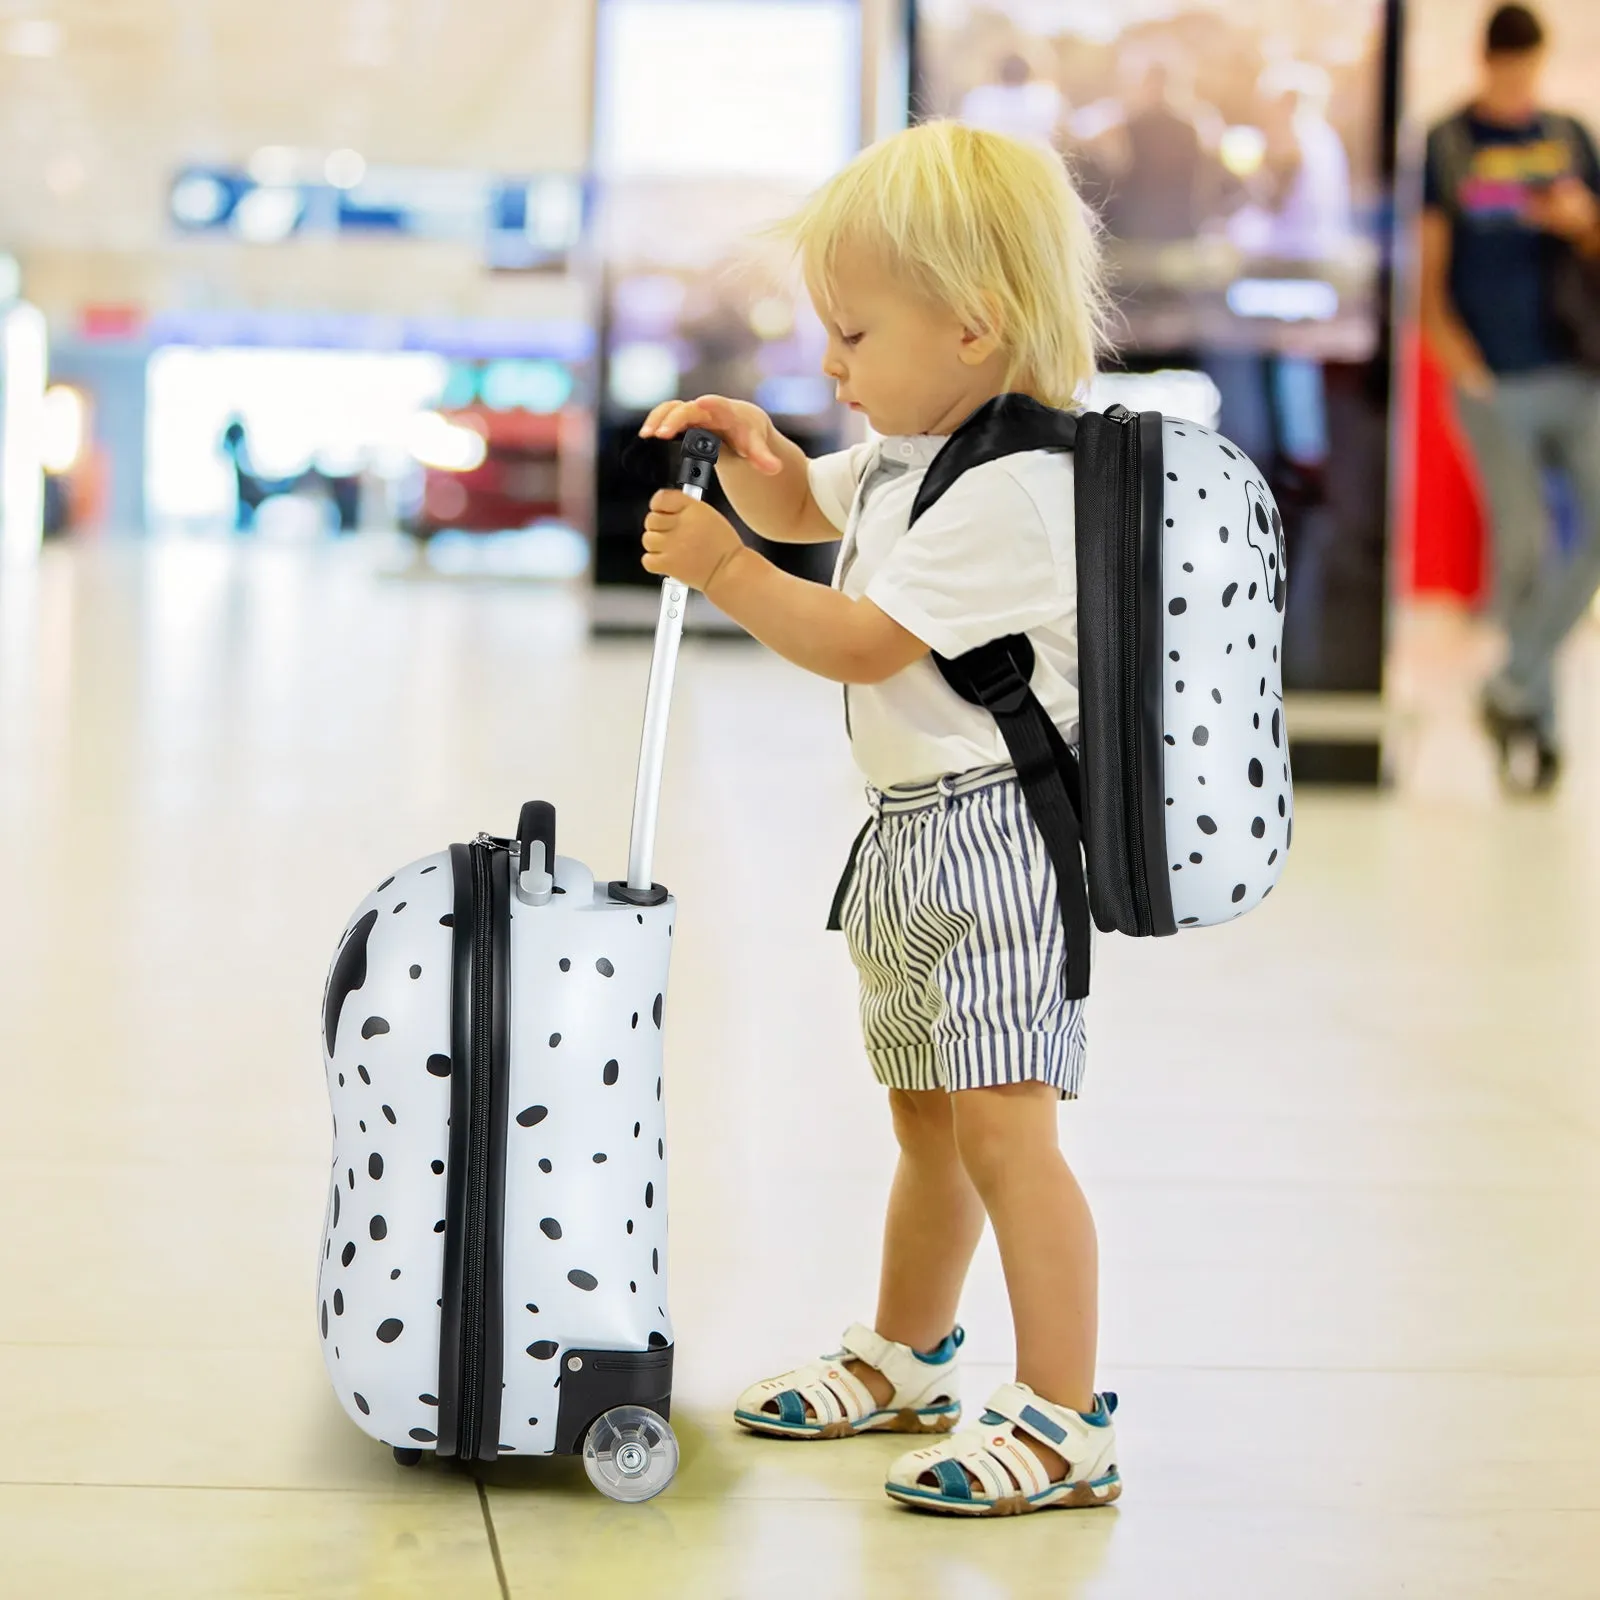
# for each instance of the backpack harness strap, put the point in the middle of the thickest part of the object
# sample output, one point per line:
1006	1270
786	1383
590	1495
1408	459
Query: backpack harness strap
997	676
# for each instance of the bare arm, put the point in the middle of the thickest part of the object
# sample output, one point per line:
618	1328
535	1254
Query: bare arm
820	629
778	506
1456	348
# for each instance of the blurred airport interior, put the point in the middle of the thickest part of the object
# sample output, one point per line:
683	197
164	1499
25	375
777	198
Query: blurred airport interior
325	335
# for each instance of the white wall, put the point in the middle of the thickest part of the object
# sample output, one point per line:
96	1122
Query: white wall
1445	41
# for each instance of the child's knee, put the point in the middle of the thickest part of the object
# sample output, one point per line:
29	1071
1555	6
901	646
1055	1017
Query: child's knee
994	1127
922	1123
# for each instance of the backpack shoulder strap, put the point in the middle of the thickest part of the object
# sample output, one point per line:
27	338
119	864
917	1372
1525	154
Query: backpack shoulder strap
997	675
1008	425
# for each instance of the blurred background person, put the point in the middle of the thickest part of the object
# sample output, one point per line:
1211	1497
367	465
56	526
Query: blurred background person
1157	195
1302	210
1510	196
1017	103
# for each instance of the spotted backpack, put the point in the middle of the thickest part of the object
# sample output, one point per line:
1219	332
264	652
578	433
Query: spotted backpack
1177	806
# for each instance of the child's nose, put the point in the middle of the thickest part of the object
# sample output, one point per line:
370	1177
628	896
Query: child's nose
833	367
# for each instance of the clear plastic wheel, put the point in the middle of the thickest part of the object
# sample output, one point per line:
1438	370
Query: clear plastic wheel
630	1454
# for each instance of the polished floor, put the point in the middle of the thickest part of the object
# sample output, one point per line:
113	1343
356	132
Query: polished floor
1345	1154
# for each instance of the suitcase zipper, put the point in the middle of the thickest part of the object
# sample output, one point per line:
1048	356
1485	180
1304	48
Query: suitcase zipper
1128	720
470	1349
474	1312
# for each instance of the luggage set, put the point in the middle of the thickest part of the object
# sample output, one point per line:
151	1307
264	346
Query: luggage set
493	1272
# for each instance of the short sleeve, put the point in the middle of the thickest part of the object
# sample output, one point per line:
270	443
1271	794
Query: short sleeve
986	560
833	479
1433	196
1589	168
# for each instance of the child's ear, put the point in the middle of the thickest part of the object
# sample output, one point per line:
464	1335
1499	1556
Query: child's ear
982	339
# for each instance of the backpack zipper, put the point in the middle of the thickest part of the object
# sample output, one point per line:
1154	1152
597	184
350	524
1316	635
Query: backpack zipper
1128	665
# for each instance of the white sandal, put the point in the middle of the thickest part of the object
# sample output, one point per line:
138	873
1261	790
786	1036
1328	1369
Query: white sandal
1010	1477
825	1400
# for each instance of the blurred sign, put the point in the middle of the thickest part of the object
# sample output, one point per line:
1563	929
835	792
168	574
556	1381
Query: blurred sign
522	223
469	338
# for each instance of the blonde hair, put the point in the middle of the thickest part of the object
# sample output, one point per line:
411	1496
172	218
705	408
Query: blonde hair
986	225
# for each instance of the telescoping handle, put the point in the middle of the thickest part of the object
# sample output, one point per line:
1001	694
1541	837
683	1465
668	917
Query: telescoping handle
699	456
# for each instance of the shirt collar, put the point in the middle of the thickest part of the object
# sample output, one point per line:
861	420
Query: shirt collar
912	450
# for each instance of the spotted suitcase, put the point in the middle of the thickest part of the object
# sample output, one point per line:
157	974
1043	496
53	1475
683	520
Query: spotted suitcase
493	1268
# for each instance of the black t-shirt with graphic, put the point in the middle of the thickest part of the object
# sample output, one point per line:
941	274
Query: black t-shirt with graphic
1500	263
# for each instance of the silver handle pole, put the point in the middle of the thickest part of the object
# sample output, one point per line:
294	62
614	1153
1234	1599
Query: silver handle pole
653	743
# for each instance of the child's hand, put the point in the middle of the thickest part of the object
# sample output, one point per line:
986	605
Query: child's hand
744	428
687	539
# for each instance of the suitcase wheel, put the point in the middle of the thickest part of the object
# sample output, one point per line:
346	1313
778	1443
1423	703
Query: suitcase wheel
406	1457
630	1453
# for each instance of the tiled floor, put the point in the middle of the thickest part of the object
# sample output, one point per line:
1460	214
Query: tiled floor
1345	1155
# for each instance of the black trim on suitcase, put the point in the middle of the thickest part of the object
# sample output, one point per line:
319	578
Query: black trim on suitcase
470	1335
604	1379
621	890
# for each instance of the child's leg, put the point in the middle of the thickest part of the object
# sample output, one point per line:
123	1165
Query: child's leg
1008	1143
934	1221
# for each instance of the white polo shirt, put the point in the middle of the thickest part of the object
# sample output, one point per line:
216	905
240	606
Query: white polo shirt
995	555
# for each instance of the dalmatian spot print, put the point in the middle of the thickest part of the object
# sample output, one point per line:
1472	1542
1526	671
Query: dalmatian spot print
583	1227
373	1026
348	975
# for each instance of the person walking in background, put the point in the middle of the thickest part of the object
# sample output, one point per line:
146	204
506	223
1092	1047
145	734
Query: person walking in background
1511	206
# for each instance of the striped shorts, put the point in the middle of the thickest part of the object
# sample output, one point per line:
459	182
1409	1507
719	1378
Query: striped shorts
951	914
